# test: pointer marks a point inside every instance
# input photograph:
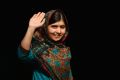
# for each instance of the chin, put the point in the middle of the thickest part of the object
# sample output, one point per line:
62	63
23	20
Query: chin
56	39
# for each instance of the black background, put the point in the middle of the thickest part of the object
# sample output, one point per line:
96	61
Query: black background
85	39
15	17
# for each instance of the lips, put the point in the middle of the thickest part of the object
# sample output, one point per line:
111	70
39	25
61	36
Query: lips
57	35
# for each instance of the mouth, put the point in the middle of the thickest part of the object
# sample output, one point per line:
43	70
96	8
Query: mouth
57	34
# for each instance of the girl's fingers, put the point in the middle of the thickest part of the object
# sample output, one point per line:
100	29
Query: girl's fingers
38	14
34	15
41	16
43	21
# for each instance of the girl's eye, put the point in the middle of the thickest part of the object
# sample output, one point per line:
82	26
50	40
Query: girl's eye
54	26
62	27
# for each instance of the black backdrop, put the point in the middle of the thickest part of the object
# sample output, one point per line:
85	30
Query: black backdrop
84	39
87	38
15	22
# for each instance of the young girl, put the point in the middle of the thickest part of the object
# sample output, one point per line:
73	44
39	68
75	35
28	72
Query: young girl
43	46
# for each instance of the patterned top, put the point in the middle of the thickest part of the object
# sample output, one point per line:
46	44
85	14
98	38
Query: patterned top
51	60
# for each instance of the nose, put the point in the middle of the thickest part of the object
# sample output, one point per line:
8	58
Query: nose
58	30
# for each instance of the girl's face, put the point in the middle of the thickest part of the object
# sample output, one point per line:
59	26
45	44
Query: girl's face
56	30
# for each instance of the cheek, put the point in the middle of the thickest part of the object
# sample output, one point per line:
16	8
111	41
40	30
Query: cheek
63	31
50	30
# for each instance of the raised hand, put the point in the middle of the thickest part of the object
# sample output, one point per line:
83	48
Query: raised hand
37	20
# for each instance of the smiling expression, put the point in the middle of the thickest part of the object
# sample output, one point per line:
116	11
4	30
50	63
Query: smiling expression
56	30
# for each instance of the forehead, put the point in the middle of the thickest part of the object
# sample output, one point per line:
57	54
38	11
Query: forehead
61	22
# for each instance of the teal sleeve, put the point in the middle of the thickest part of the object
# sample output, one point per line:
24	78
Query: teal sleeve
40	76
25	56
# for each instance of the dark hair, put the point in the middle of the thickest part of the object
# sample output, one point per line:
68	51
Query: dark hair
51	17
57	16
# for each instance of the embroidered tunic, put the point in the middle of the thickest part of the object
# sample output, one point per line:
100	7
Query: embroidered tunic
51	61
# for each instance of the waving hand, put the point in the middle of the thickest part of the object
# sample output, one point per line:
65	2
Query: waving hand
37	20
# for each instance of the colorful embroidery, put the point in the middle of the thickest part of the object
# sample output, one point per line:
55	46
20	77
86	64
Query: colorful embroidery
55	60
